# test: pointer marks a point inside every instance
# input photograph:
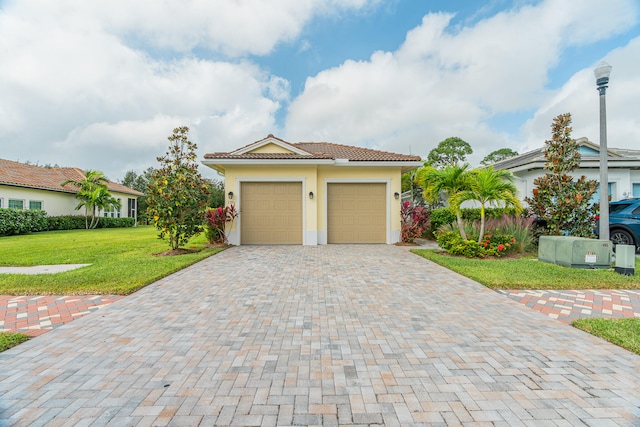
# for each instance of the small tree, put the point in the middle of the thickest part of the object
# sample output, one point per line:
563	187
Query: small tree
93	195
177	194
498	155
488	186
452	151
563	203
450	180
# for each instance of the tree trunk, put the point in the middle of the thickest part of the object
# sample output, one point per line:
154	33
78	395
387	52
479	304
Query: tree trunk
481	236
461	225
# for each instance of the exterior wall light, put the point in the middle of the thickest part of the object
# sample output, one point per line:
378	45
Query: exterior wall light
396	195
311	195
230	195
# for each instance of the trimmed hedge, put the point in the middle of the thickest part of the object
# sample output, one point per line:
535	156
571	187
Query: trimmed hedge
442	216
16	221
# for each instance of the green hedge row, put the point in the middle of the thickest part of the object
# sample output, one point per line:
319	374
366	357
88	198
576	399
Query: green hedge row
15	221
443	216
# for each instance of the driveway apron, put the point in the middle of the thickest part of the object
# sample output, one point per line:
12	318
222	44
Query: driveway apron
326	335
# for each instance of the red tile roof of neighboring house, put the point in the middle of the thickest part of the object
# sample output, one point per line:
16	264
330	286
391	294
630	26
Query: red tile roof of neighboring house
318	150
30	176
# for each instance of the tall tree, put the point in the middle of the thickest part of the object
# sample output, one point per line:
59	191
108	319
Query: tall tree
563	203
452	151
93	195
451	180
489	186
498	155
216	193
177	196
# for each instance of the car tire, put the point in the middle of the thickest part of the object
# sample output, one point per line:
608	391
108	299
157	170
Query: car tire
621	237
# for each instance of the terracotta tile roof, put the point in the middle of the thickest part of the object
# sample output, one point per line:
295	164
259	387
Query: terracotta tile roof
355	154
22	175
319	150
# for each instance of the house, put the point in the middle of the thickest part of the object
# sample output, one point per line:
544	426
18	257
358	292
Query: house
312	193
25	186
623	169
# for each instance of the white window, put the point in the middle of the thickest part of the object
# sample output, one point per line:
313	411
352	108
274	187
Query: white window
16	204
35	204
636	190
113	213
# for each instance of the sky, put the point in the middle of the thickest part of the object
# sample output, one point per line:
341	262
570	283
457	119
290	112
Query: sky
102	84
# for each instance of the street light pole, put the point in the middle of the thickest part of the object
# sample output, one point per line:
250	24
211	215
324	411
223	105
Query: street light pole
602	73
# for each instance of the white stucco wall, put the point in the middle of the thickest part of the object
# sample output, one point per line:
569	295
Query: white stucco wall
621	178
53	202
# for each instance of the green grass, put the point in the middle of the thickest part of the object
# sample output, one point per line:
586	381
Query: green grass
11	339
122	261
622	332
529	273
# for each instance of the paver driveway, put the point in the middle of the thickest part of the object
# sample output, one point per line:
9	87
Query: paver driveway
318	335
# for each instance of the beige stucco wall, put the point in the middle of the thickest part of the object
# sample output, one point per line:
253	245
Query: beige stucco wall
54	203
314	179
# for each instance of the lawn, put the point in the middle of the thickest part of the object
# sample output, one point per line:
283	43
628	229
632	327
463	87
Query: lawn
122	261
11	339
529	273
622	332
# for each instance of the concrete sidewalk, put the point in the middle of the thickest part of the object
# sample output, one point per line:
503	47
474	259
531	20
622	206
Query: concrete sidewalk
326	335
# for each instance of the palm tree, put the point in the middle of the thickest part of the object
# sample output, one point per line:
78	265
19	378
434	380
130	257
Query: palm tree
489	186
452	180
92	194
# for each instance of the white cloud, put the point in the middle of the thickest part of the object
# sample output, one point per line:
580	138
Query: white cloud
102	84
446	80
579	96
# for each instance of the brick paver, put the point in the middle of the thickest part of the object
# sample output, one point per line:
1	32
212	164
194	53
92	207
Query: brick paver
569	305
35	315
327	335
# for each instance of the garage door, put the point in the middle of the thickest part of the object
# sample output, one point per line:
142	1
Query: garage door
271	213
356	213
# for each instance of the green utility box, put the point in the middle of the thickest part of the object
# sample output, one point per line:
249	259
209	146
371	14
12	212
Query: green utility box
575	252
626	259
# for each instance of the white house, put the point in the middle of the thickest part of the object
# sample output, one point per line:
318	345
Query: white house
25	186
624	169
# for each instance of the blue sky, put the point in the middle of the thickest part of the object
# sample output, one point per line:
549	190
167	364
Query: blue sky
102	84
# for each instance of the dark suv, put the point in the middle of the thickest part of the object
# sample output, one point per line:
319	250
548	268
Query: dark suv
624	222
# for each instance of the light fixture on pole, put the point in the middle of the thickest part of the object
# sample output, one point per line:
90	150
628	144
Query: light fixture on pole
602	73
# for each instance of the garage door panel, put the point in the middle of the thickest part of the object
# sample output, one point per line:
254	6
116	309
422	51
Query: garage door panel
271	213
356	213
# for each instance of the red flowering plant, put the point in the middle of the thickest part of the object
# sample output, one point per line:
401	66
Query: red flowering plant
413	221
217	221
493	244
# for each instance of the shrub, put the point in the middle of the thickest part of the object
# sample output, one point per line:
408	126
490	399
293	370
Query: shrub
16	221
517	226
493	244
443	216
413	221
77	222
440	217
216	223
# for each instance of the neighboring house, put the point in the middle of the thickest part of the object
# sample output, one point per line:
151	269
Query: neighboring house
34	187
312	192
623	165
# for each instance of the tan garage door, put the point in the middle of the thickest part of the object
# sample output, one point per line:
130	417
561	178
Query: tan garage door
271	213
357	213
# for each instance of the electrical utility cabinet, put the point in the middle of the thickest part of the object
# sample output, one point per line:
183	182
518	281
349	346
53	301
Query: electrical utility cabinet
575	252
